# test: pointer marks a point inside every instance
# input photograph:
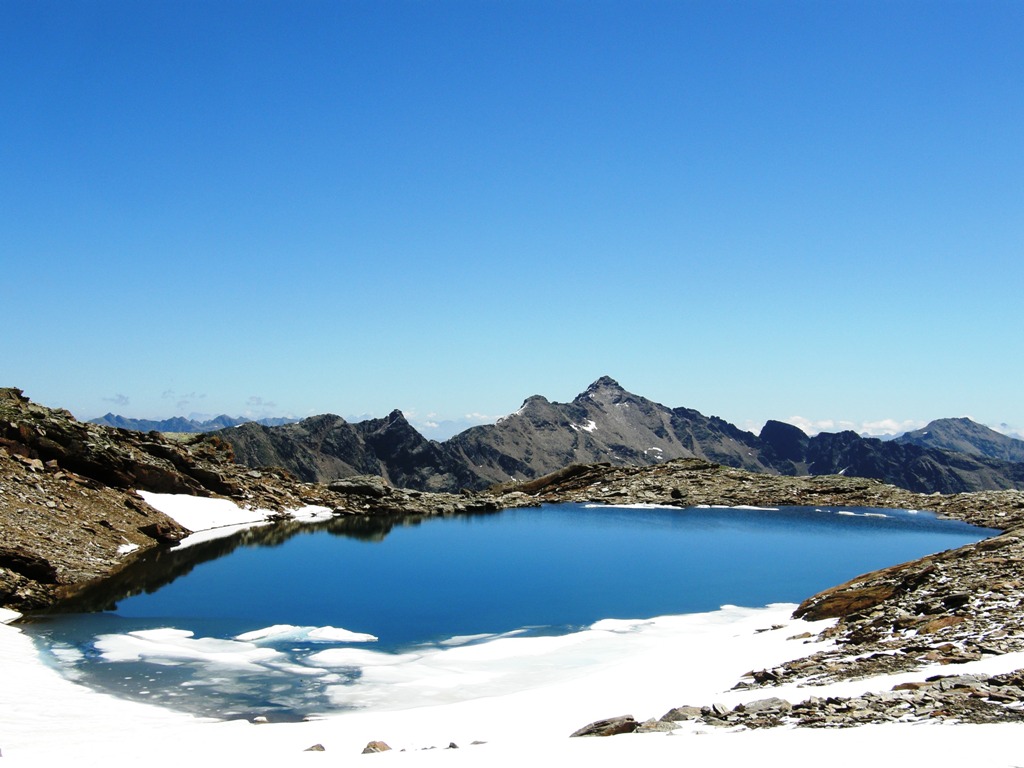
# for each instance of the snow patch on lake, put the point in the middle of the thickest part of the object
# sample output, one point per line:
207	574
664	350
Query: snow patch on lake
291	633
737	506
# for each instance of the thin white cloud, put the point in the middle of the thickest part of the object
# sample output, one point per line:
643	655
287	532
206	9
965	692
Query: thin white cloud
1008	429
889	426
182	401
255	401
119	399
436	427
876	427
811	426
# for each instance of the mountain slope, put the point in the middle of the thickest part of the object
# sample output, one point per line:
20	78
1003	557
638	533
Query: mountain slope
324	448
603	424
914	467
965	436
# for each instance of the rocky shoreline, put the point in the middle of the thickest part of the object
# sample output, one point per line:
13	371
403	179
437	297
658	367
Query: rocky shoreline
694	482
949	608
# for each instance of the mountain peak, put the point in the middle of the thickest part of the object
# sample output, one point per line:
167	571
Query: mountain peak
605	386
605	390
965	436
605	382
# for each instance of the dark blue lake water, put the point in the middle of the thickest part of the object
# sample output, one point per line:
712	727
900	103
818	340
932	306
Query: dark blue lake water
548	570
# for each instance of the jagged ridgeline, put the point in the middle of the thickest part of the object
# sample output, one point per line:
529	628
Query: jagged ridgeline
607	424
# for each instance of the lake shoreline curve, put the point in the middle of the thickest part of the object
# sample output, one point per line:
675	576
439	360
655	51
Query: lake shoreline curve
71	514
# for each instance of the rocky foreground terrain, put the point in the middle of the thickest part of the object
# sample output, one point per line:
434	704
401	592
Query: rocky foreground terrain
70	515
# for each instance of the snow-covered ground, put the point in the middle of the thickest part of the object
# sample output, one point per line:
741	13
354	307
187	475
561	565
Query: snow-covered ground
522	696
215	518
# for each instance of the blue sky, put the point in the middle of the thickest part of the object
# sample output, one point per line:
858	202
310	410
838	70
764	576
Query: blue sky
792	210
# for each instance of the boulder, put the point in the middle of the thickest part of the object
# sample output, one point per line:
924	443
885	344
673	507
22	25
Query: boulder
940	623
611	726
771	704
657	726
678	714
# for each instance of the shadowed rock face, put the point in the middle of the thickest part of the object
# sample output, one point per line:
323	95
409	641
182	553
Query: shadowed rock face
604	424
325	448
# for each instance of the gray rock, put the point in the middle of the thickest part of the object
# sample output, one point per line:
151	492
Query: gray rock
718	710
656	726
679	714
771	704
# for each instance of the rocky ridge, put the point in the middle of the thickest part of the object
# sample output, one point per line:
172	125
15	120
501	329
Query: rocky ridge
692	482
603	424
326	448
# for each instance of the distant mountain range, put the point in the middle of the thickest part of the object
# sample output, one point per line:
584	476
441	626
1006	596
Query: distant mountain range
606	423
181	424
966	436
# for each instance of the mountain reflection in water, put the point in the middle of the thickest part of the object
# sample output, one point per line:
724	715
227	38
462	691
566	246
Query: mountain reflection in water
160	566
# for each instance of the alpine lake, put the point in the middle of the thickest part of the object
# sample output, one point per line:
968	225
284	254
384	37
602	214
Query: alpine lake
234	627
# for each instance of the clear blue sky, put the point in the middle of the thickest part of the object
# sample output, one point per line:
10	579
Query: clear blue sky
755	209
